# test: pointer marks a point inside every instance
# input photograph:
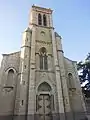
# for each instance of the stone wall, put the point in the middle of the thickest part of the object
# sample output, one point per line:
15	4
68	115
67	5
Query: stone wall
10	63
75	94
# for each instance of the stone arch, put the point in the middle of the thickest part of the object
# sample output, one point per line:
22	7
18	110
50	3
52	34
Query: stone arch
44	95
15	71
44	87
43	50
10	74
9	89
47	82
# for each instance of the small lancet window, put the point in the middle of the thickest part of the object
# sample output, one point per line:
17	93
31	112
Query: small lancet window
44	20
71	82
45	62
43	59
10	77
39	19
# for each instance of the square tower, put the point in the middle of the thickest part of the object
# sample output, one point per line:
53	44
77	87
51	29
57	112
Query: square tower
41	17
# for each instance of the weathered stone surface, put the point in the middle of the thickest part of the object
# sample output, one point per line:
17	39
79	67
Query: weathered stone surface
24	99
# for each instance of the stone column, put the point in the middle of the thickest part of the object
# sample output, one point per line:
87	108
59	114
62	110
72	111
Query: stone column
31	98
58	81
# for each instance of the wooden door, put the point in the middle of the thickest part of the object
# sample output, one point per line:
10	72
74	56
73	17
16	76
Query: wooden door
44	107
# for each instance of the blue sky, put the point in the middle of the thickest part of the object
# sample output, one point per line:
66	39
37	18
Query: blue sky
71	20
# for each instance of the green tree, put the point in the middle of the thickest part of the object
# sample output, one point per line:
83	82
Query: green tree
84	77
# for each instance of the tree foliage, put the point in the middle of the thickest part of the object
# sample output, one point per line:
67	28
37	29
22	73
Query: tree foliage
85	74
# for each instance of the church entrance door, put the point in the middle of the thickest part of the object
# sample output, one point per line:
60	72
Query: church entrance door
44	105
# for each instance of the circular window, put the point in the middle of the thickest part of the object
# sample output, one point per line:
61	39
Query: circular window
42	33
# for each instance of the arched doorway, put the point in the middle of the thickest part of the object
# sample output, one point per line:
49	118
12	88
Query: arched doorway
44	102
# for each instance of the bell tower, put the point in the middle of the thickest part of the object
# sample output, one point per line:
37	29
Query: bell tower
41	17
45	91
41	89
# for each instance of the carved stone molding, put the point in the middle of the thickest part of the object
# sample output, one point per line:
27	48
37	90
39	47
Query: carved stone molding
8	88
42	75
43	42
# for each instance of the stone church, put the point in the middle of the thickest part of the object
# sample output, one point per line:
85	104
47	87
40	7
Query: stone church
38	82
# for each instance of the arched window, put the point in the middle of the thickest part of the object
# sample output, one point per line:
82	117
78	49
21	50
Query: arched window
10	77
43	59
71	82
45	62
44	20
39	19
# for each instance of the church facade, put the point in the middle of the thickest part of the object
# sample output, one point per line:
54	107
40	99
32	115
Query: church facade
38	82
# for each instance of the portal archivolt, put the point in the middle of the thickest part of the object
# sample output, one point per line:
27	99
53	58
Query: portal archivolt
44	101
